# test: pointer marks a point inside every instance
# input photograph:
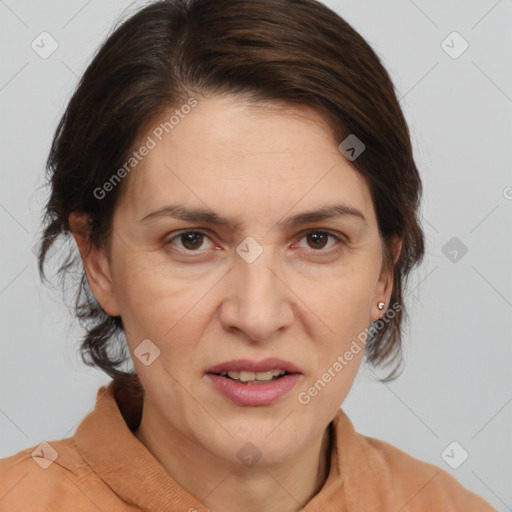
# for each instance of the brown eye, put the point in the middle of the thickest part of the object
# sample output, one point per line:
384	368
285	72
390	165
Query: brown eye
318	240
191	241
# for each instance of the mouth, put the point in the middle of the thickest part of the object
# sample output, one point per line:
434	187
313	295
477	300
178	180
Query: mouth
252	383
250	378
247	370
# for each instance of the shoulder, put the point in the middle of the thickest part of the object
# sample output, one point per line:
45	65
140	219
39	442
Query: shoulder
418	485
31	479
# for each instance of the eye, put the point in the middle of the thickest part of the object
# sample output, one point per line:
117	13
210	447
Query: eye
317	240
191	240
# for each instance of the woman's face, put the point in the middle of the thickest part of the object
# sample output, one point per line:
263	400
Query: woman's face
206	294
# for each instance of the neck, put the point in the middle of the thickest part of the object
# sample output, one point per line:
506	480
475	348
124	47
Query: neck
220	485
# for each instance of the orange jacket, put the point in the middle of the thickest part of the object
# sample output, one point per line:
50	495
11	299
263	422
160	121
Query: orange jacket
104	467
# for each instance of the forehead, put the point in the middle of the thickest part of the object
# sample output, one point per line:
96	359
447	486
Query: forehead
229	152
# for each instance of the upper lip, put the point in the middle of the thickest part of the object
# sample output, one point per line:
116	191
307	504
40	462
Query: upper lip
247	365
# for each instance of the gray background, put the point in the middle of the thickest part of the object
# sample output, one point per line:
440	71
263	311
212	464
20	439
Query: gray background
457	381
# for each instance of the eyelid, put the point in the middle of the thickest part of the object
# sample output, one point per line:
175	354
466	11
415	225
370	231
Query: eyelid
177	234
340	238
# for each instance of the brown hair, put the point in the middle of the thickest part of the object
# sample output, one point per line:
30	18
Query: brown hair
295	52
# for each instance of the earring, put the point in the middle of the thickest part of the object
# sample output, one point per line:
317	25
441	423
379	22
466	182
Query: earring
381	305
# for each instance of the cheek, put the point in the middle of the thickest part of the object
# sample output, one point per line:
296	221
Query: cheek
341	310
144	294
158	304
326	390
344	301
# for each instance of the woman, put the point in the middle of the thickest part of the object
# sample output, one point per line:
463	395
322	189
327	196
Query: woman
239	180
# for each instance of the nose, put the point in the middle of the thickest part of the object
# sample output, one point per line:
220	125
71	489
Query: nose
258	302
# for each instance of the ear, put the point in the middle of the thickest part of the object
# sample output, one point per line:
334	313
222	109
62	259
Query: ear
385	285
96	264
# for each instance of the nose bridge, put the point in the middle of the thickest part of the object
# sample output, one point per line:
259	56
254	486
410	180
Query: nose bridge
259	304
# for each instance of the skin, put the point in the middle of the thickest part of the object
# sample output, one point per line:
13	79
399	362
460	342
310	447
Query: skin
298	300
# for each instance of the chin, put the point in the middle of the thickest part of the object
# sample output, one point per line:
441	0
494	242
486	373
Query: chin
260	452
271	442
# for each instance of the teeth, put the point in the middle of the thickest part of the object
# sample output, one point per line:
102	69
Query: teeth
246	376
268	375
251	376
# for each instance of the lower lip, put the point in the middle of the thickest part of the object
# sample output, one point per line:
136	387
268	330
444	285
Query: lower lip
254	394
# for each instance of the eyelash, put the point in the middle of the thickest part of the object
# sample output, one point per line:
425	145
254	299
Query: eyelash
319	231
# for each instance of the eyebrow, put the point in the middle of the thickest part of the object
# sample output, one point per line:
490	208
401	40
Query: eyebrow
207	216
